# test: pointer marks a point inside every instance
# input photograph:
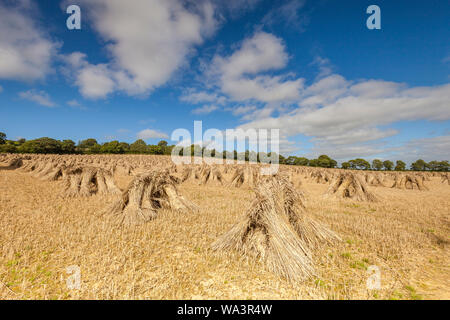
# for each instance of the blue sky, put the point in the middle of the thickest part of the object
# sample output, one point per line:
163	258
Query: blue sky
309	68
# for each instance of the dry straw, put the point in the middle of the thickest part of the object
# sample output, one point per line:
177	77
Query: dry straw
14	163
276	230
445	178
86	181
211	175
145	195
374	180
350	186
409	182
245	176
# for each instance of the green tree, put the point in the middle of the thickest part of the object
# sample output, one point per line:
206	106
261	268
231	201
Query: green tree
168	149
68	146
89	146
196	150
443	166
400	166
41	145
155	149
419	165
87	143
325	161
291	160
246	155
302	161
240	156
252	156
261	156
388	165
433	165
8	148
164	146
162	143
95	149
228	155
2	138
297	161
113	147
125	147
363	164
377	164
313	163
359	164
138	147
345	165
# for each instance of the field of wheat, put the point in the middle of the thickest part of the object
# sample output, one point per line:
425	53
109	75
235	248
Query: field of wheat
141	227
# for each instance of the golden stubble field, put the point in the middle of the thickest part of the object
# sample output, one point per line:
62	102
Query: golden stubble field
406	235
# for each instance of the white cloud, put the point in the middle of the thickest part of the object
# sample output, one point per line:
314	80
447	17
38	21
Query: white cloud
242	110
324	65
25	50
73	103
341	117
262	88
350	151
236	8
95	81
344	117
357	135
324	91
202	96
262	52
147	49
76	104
288	14
428	149
239	75
205	109
39	97
150	134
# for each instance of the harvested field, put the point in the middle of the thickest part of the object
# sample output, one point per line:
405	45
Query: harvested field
170	256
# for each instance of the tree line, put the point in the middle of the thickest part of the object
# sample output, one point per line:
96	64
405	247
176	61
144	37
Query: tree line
361	164
91	146
88	146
